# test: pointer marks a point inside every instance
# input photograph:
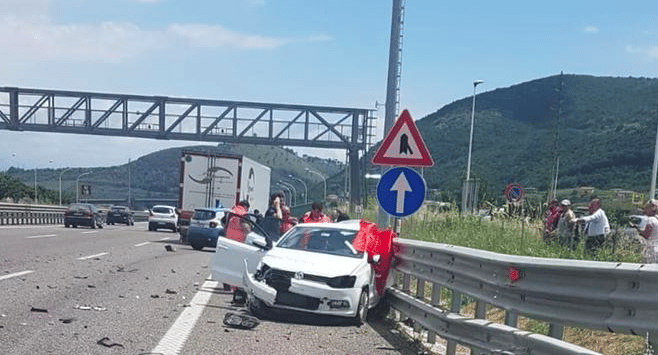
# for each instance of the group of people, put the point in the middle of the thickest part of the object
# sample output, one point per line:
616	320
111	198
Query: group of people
277	219
561	225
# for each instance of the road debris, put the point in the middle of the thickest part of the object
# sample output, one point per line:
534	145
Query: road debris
171	292
88	308
169	248
240	321
67	320
40	310
155	296
105	341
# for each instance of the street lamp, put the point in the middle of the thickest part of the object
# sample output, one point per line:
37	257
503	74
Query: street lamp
470	141
77	187
324	181
293	201
60	184
305	187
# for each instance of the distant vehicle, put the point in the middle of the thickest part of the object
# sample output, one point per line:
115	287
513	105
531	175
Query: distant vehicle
214	180
312	268
120	214
161	216
83	214
205	226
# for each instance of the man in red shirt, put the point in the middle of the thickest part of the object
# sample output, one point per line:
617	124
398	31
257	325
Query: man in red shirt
237	228
315	215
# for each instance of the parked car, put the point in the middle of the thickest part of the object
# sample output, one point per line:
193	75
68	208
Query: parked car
83	214
161	216
120	214
205	227
312	268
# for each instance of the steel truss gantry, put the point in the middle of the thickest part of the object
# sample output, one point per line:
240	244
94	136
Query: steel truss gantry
188	119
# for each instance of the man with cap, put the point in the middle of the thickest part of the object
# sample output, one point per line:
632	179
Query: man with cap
566	224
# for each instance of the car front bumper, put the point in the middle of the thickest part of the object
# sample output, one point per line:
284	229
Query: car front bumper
307	296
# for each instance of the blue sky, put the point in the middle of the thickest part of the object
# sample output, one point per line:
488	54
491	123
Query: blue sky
330	53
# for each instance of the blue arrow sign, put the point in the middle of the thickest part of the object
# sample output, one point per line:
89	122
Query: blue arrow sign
401	191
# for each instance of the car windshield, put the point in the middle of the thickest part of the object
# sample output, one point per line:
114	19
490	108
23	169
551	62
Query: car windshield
161	210
321	240
203	215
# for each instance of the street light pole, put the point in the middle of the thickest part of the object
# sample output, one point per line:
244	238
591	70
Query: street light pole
324	181
305	187
60	184
77	187
470	141
36	198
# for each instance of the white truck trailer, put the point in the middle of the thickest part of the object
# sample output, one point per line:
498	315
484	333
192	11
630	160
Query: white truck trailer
214	179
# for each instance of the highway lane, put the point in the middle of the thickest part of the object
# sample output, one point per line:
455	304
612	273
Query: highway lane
117	289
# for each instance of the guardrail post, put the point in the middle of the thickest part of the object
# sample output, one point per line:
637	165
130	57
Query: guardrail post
480	313
436	302
455	307
652	342
406	283
420	294
511	318
556	330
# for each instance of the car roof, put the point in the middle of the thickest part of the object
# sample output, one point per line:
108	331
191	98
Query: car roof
213	209
353	224
165	206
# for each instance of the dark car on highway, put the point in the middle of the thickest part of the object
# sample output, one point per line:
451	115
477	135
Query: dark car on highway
120	214
83	214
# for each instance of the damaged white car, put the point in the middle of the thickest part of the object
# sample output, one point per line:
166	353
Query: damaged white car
312	268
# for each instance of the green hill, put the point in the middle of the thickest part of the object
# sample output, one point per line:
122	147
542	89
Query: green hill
603	130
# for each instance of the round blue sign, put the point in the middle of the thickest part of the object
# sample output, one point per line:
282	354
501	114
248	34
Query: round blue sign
401	191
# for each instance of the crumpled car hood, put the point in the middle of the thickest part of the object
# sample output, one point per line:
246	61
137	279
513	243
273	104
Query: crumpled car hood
311	263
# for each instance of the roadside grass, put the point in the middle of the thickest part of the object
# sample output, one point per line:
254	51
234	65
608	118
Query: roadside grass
516	236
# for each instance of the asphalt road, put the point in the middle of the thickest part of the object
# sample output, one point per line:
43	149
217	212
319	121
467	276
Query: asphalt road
117	290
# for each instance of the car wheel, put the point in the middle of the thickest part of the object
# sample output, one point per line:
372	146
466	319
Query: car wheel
93	225
197	246
75	226
256	306
362	309
151	226
380	311
100	225
66	225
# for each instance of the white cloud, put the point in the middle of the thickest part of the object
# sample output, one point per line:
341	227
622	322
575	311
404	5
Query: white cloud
649	52
32	36
591	29
213	36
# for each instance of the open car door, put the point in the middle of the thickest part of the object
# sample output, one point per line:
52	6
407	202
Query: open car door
228	262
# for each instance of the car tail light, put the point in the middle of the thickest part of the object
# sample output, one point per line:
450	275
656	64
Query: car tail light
213	224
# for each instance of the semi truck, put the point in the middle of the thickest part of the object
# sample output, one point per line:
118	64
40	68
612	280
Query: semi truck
220	180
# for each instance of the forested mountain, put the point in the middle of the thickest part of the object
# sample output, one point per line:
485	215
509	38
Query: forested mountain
603	129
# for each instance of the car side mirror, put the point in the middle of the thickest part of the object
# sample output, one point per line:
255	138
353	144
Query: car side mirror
375	259
261	243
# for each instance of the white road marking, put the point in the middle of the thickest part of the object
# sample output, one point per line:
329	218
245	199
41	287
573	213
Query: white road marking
41	236
142	244
89	232
173	341
16	274
166	238
92	256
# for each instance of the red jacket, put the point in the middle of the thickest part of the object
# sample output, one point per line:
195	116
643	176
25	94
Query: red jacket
234	228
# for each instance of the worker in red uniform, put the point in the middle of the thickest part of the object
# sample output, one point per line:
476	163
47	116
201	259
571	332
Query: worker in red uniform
315	215
237	227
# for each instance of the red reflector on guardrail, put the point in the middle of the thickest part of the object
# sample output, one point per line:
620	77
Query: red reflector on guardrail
514	274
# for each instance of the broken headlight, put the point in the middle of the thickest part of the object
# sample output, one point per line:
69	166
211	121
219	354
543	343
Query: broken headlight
342	281
261	272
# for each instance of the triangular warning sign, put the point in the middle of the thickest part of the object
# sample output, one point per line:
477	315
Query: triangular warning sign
403	145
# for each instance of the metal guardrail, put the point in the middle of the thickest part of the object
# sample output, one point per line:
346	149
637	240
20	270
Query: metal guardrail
616	297
13	214
20	214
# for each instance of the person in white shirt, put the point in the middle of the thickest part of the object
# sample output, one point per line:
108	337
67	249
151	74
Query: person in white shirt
650	232
596	226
